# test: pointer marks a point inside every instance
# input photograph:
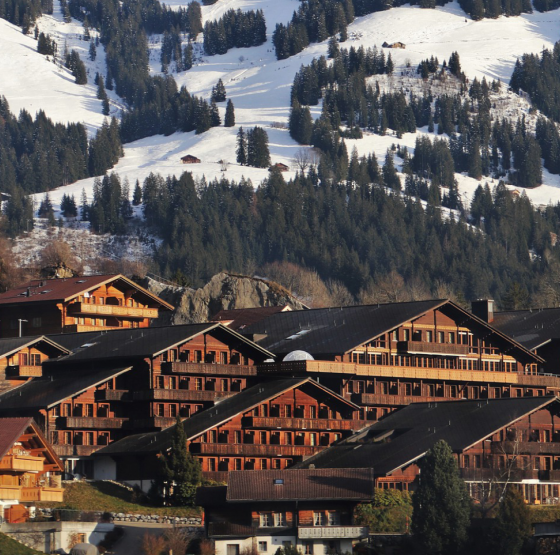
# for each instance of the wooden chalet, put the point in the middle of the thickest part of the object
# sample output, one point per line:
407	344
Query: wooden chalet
29	467
271	425
390	355
129	381
496	442
309	509
190	159
279	166
78	304
22	358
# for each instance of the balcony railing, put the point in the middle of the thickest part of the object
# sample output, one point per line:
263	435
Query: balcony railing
180	395
498	474
409	372
24	371
10	492
230	529
80	328
524	448
42	494
158	422
111	310
332	532
22	463
422	347
303	423
391	400
76	450
111	395
210	369
255	449
87	422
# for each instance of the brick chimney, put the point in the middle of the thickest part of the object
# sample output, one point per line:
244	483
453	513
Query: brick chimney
483	309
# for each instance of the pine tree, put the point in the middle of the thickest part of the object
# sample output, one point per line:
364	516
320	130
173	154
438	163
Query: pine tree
513	524
258	154
137	195
188	57
441	503
92	51
229	120
219	92
84	207
241	147
215	119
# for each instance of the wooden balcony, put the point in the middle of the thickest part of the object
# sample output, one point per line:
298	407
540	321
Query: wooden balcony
424	348
80	328
409	372
209	369
392	400
180	395
255	449
91	423
86	309
524	448
498	474
303	423
111	395
230	529
41	493
155	422
10	492
24	371
332	532
22	463
76	450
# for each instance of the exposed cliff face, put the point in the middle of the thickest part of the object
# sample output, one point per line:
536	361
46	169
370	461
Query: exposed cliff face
222	292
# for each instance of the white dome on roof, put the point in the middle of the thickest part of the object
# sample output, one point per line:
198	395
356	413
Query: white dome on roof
297	355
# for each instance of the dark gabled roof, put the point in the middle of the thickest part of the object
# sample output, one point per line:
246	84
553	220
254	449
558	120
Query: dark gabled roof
64	289
531	328
47	391
154	442
301	484
12	345
406	434
334	331
144	342
11	430
240	318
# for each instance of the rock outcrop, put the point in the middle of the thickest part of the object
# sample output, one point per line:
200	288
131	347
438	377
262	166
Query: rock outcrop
222	292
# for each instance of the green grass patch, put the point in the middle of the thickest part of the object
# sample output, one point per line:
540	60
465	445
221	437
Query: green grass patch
107	496
12	547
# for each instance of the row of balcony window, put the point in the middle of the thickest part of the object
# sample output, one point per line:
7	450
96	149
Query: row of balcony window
251	437
200	356
213	464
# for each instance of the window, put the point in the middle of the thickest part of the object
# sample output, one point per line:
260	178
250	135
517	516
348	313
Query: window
406	335
211	465
451	337
160	410
395	335
232	549
307	548
223	358
320	518
429	336
266	520
440	337
263	547
237	464
334	518
279	519
198	384
35	360
173	411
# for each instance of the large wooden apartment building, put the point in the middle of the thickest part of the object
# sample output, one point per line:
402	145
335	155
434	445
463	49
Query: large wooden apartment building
496	442
77	304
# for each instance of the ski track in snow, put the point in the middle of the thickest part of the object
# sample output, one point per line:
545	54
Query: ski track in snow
259	85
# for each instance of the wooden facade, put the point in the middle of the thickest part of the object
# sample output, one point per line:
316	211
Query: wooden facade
275	434
29	469
72	305
431	358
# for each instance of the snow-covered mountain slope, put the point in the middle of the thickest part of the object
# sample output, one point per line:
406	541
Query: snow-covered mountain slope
259	85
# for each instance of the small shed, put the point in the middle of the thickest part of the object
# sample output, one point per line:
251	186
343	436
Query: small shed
279	166
190	159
